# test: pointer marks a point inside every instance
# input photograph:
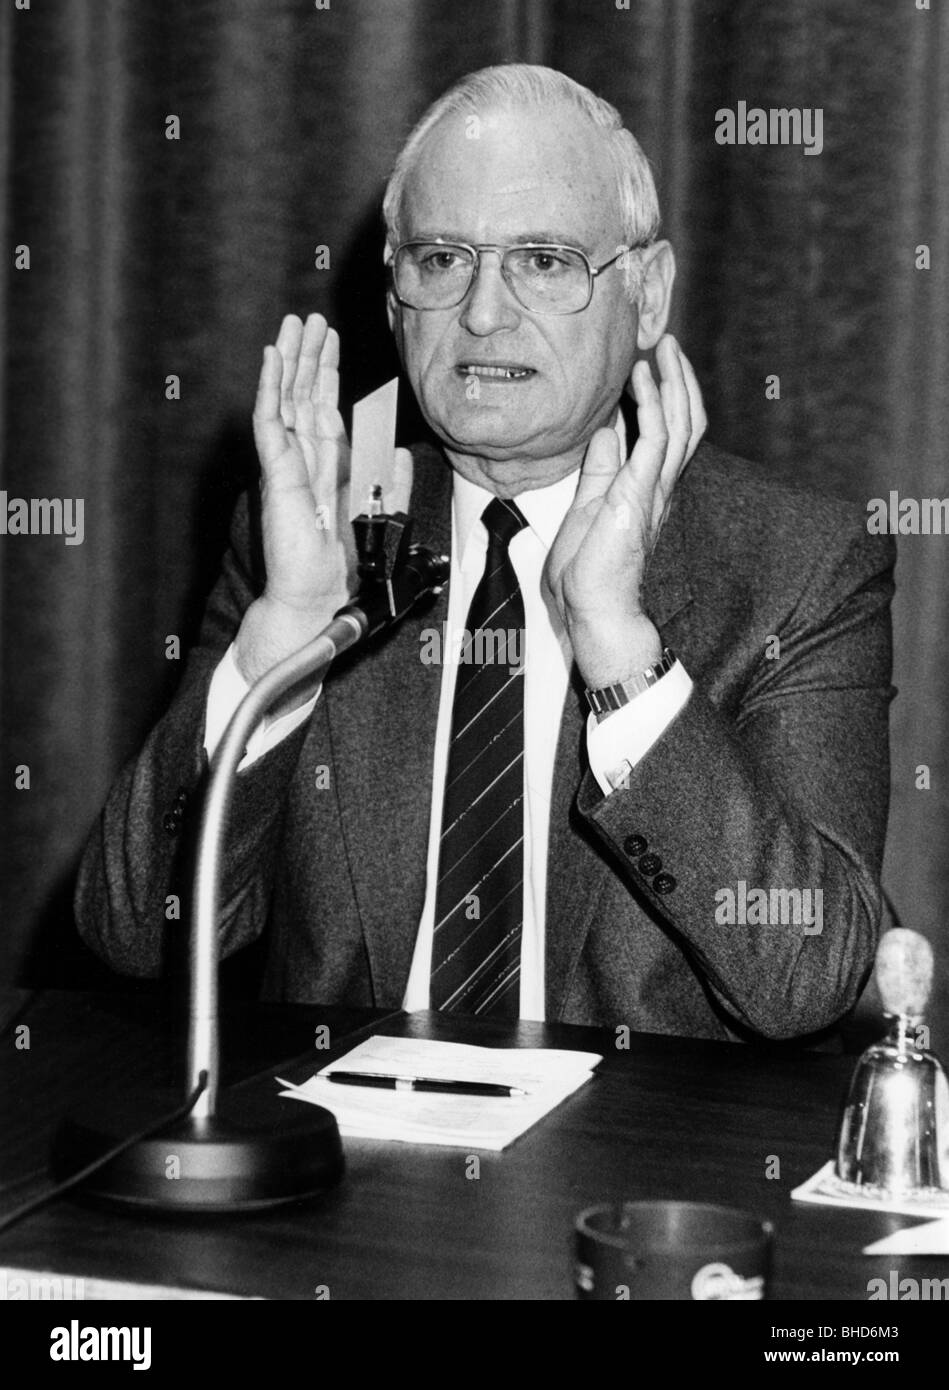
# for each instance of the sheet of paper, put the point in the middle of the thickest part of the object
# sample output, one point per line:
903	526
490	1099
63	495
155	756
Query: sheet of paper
827	1189
478	1122
931	1238
373	449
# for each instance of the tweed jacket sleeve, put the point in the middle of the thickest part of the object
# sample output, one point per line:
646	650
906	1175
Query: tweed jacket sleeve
134	883
754	827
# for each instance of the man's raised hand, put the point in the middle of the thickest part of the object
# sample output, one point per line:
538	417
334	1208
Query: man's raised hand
597	563
304	460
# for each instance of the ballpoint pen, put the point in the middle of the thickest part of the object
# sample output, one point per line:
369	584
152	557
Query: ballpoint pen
421	1083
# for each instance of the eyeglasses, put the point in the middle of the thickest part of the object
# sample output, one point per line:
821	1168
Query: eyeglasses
544	279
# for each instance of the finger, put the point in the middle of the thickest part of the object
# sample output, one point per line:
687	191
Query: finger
649	452
327	376
288	345
673	391
697	413
332	471
401	490
676	407
328	425
267	400
324	484
304	385
601	463
270	434
311	347
329	472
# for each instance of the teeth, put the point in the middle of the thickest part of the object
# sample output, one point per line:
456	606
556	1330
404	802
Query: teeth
508	373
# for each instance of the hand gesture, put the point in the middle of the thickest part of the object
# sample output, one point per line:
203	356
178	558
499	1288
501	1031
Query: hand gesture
304	459
596	565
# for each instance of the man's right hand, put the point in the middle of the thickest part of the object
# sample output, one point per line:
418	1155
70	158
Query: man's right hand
304	459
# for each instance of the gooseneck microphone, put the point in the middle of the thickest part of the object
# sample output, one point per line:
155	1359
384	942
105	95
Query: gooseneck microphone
394	575
239	1154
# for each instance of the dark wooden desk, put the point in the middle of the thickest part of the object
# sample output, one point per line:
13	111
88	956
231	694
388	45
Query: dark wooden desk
667	1117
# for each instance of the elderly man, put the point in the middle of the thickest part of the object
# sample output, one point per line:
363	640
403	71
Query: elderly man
670	813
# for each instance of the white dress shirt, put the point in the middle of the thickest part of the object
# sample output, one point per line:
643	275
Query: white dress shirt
614	746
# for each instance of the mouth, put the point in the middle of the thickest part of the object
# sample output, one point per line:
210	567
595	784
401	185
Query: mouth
495	371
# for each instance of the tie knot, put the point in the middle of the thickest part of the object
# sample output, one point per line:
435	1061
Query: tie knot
503	519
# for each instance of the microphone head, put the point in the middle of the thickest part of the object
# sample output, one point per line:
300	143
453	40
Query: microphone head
904	972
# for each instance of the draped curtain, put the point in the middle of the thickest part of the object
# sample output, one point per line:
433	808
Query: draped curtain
172	167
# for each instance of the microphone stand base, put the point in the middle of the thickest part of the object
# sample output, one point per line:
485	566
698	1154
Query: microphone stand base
261	1152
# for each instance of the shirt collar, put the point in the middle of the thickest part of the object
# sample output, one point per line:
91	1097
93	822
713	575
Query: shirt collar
544	507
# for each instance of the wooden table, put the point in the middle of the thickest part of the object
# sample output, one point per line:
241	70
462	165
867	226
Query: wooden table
666	1117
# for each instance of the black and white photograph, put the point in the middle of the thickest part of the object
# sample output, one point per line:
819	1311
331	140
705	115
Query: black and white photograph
474	596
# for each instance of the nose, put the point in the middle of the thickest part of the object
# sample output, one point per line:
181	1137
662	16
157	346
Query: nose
489	306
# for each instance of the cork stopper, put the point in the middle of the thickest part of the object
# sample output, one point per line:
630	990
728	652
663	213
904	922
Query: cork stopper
904	972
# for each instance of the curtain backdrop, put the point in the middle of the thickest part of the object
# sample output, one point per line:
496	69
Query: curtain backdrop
152	258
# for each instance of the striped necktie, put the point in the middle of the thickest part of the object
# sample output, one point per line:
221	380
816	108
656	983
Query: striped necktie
479	903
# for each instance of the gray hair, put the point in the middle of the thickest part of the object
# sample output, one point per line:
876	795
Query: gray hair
514	86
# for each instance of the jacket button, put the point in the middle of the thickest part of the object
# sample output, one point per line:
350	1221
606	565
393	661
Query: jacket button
663	883
171	823
182	796
649	864
634	844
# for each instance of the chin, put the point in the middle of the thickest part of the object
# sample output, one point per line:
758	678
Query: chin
481	430
484	444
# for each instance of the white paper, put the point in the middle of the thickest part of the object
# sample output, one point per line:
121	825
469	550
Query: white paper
372	459
826	1189
475	1122
931	1238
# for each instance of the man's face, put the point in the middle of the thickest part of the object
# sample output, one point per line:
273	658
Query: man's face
527	177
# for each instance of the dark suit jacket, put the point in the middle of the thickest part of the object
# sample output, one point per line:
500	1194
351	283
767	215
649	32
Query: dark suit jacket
776	773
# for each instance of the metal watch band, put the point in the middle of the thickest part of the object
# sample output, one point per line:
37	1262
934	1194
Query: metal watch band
612	697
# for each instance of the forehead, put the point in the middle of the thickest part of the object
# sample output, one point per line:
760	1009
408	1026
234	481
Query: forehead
500	175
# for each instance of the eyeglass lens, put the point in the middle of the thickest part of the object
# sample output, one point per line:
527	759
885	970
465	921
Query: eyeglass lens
555	279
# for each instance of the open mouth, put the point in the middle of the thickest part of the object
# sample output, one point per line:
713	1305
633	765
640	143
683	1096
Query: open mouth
494	371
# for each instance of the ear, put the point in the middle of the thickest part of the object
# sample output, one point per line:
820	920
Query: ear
655	293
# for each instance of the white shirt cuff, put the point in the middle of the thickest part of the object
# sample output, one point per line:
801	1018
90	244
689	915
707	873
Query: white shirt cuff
616	745
228	687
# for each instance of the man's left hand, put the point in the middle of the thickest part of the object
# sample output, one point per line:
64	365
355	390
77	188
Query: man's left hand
596	565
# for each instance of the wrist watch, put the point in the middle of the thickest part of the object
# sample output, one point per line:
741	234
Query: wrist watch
613	697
